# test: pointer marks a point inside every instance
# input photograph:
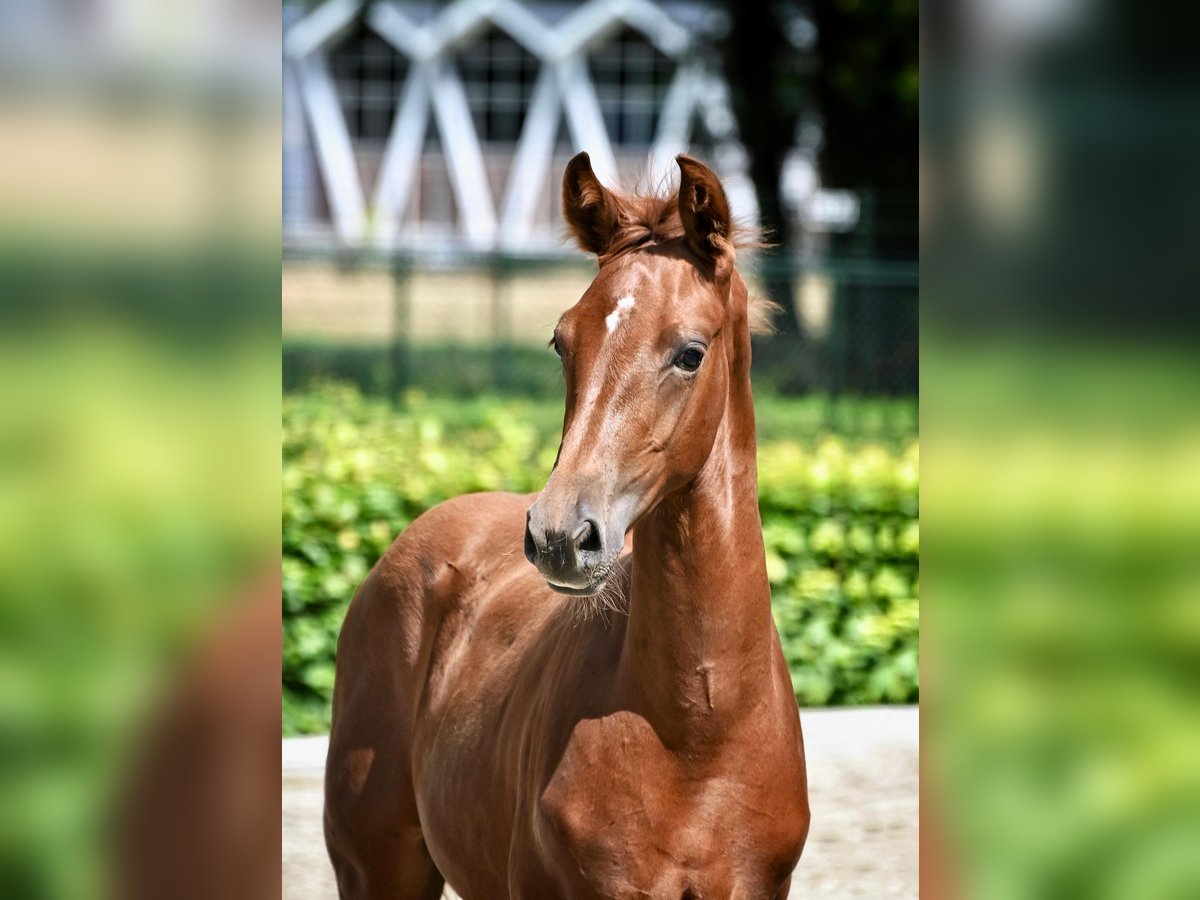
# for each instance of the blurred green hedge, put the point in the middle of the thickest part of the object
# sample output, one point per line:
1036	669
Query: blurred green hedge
839	522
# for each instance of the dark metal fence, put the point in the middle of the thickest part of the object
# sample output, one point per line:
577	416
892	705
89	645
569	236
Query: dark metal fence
465	326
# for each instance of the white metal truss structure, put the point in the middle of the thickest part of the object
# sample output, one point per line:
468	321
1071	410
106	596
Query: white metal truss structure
433	96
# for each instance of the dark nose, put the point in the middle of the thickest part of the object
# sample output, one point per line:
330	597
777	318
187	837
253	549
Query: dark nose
565	554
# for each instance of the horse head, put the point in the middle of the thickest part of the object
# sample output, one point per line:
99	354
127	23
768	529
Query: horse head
649	355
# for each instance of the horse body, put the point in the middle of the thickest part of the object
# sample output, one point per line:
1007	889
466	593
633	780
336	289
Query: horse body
488	735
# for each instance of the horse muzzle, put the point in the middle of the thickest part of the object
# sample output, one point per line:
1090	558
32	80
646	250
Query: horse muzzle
570	552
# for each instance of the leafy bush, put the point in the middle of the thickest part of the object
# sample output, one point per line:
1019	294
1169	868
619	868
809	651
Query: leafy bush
843	547
839	523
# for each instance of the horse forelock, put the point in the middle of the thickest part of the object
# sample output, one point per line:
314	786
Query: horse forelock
652	219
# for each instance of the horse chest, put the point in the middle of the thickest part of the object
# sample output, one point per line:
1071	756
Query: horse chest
621	816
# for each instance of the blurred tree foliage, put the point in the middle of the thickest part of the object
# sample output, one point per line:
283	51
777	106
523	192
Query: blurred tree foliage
863	89
860	85
840	524
868	91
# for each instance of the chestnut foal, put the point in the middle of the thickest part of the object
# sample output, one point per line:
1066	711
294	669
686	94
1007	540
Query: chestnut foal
487	735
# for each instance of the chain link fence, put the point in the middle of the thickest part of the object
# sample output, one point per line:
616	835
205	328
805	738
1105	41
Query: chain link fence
471	325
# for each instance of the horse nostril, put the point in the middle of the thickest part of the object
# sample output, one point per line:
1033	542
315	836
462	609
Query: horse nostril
530	546
587	539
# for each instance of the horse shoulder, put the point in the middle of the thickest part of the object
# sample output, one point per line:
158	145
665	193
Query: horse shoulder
731	825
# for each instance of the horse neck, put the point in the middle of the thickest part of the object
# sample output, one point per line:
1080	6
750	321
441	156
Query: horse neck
697	643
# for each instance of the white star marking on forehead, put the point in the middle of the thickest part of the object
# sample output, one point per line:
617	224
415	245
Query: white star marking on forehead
614	318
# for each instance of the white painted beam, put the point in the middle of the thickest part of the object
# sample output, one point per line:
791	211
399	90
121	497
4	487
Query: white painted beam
402	156
527	177
468	176
334	150
320	27
584	119
675	120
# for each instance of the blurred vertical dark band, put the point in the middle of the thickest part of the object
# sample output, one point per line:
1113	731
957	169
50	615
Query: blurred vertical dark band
1061	413
139	461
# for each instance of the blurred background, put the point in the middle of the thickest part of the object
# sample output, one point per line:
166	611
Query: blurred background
140	225
1061	421
139	456
425	265
424	145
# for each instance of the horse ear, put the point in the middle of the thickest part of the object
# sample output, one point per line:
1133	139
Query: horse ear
704	211
590	210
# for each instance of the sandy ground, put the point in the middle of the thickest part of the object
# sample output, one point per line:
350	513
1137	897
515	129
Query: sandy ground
862	771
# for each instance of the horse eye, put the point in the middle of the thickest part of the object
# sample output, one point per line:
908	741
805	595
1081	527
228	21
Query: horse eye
689	360
554	346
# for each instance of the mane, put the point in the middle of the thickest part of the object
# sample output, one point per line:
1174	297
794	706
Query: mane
648	218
